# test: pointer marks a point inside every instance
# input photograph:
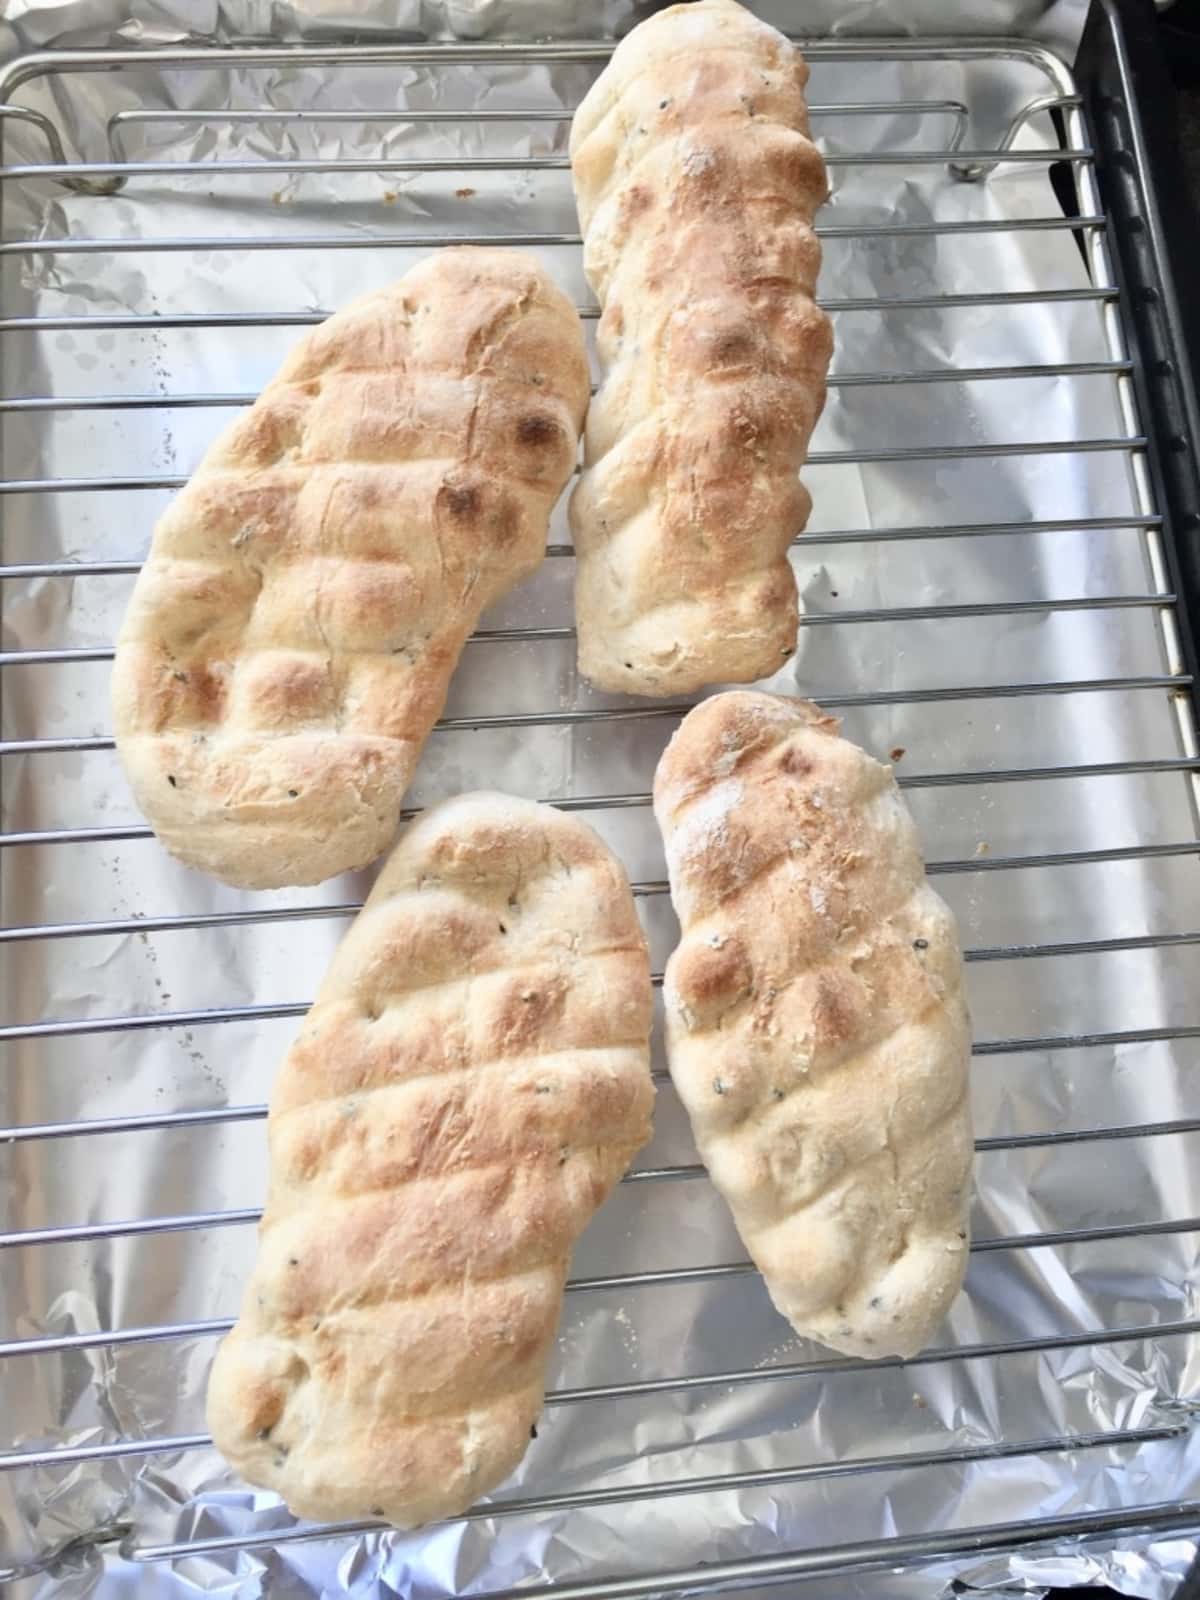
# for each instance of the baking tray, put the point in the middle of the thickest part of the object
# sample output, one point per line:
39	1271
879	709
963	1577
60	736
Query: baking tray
992	582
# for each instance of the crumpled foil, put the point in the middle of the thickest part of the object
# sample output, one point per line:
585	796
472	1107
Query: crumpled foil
76	1529
37	24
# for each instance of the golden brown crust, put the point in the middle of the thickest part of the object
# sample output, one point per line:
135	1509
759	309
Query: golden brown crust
470	1083
816	1025
696	182
291	638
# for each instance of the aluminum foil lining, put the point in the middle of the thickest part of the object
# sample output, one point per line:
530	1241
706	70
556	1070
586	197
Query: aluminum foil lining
39	24
77	1529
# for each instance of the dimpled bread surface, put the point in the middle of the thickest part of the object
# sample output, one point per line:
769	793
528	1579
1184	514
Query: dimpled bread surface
696	182
817	1030
471	1082
290	640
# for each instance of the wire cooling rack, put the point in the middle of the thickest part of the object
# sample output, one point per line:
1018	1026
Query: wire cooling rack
1132	696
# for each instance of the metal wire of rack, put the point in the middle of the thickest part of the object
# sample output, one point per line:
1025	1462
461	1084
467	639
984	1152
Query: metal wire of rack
1172	758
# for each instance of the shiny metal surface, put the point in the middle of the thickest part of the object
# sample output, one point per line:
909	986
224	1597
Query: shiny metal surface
985	601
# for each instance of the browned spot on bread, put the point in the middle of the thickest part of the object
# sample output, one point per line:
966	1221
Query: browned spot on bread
285	688
178	692
528	1011
504	520
775	589
732	346
794	761
711	73
207	689
265	1383
612	322
836	1017
461	500
636	198
368	605
264	1401
487	514
537	429
333	1362
800	167
708	980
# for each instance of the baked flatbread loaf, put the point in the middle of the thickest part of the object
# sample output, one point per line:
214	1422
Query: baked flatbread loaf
696	182
816	1026
290	640
472	1080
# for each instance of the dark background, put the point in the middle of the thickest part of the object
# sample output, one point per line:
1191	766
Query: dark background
1180	29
